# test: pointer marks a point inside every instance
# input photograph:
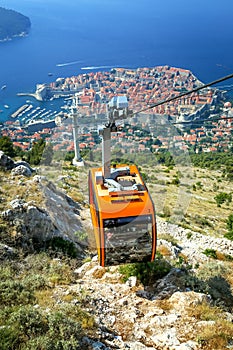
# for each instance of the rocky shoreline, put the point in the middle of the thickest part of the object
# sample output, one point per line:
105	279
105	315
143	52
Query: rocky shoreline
20	35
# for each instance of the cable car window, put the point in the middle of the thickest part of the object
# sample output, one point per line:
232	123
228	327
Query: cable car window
128	239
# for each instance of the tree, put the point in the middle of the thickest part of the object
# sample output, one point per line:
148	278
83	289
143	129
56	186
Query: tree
6	145
69	156
35	154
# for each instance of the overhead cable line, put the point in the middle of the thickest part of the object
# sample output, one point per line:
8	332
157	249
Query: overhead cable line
185	93
202	120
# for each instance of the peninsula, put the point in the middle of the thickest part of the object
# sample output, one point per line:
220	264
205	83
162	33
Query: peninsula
13	24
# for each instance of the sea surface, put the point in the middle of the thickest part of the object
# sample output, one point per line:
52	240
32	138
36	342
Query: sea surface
77	36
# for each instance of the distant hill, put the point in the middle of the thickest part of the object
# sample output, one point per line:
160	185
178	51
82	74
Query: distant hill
12	24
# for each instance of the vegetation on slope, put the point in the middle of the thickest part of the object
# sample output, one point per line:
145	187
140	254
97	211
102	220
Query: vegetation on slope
33	317
12	24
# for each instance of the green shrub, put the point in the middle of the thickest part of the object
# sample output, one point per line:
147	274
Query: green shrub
189	235
175	181
229	235
34	282
6	145
146	272
144	176
35	154
59	244
169	238
29	322
22	324
201	221
77	314
64	333
223	197
13	292
166	211
47	270
230	222
212	279
9	338
210	252
6	272
29	329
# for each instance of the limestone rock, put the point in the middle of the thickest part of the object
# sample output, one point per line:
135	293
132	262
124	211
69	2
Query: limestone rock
56	215
182	300
30	221
21	162
64	212
167	338
165	287
80	272
17	168
17	204
21	170
132	281
5	161
6	252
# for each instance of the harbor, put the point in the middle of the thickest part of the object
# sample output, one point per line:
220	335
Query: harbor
29	114
19	111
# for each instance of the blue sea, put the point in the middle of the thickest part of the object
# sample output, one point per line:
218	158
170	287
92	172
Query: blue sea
68	36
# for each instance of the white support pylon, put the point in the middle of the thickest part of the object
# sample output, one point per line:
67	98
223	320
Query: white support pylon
77	160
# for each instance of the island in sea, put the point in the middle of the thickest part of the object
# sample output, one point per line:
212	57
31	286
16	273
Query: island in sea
13	24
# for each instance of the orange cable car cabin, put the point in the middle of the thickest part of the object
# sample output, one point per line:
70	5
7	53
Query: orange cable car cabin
123	216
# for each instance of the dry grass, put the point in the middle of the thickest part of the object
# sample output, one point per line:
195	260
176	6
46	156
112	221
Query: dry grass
45	298
164	250
167	237
205	312
217	336
180	201
124	328
19	187
164	304
193	204
198	207
213	331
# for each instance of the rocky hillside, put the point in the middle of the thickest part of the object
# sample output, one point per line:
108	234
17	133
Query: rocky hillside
48	273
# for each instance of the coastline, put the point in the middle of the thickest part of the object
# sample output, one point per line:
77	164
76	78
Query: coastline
44	92
20	35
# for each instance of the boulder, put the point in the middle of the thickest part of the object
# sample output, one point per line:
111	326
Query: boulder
21	170
21	162
181	301
6	252
30	221
17	203
5	161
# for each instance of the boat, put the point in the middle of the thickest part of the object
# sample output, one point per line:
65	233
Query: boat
6	106
50	74
3	87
